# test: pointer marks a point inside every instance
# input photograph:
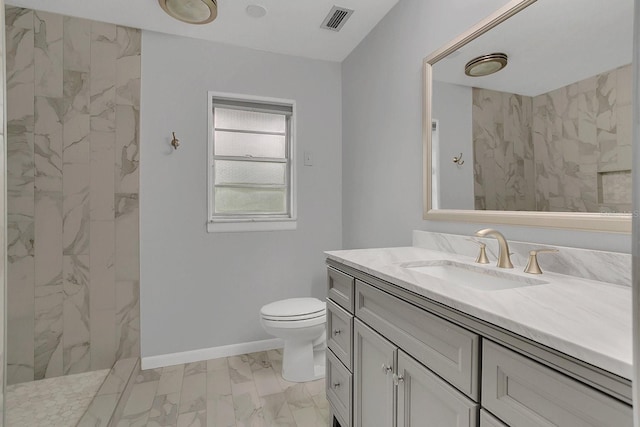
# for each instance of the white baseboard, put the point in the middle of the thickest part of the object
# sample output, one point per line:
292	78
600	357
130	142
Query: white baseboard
170	359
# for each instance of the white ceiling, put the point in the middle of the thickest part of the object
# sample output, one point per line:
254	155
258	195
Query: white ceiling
550	45
290	27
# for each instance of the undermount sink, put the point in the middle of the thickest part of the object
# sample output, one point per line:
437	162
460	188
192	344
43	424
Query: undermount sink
471	276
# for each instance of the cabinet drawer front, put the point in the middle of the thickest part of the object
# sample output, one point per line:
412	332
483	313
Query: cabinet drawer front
339	388
525	393
448	350
423	396
339	332
340	288
488	420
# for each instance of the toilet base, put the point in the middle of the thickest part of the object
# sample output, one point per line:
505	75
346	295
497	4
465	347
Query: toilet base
301	362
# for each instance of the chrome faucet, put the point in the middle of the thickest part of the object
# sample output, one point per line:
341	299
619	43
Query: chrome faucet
504	259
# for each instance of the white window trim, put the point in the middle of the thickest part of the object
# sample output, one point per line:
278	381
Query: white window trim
217	224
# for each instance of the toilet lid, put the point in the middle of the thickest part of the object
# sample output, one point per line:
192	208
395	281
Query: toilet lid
294	309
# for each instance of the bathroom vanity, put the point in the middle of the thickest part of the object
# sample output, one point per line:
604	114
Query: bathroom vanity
407	348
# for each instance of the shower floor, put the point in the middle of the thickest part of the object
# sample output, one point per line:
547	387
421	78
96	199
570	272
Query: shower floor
59	401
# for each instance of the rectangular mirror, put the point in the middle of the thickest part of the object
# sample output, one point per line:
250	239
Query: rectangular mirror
546	139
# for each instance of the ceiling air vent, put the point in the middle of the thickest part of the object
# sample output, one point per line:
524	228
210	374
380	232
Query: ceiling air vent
336	18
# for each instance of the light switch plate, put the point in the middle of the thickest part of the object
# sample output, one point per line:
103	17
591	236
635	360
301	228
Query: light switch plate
308	158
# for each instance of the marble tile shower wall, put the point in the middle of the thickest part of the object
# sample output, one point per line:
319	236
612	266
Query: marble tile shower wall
503	151
576	142
3	237
73	90
582	144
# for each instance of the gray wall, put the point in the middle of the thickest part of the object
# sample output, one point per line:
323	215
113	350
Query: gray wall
452	107
382	127
199	289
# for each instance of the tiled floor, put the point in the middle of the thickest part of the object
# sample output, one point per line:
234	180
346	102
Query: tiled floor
59	401
238	391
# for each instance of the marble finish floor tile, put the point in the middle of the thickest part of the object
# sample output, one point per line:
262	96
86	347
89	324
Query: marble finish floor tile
237	391
59	401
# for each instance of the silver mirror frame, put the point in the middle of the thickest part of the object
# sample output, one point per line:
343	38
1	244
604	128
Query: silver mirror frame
587	221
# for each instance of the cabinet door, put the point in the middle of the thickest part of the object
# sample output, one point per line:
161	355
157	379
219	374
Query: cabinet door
424	400
374	361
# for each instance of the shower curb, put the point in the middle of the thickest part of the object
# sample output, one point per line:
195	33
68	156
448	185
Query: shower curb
108	404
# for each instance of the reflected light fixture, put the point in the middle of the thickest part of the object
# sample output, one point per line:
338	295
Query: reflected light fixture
485	65
256	11
191	11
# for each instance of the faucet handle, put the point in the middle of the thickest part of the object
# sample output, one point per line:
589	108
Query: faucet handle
482	256
532	266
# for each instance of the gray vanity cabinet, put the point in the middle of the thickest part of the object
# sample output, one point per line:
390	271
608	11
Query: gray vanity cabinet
396	360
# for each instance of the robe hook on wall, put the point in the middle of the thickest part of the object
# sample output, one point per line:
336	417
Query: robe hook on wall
458	160
175	142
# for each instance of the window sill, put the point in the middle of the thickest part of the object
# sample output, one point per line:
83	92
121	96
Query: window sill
221	226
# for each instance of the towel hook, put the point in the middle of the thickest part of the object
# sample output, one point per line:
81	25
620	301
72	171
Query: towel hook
458	160
175	142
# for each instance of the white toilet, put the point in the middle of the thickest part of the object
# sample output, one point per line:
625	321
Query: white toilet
300	322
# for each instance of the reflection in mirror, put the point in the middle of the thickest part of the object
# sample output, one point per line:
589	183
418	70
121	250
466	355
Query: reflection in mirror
552	130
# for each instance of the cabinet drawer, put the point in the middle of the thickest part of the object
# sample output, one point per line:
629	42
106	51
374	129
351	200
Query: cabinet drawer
525	393
339	332
340	288
339	389
448	350
488	420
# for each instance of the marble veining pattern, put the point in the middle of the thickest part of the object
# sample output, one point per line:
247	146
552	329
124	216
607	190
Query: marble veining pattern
503	151
601	266
546	153
237	391
586	319
3	208
48	54
72	190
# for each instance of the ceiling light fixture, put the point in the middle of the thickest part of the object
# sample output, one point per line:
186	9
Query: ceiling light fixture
485	65
256	11
191	11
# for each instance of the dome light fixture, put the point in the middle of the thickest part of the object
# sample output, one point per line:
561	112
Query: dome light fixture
486	64
191	11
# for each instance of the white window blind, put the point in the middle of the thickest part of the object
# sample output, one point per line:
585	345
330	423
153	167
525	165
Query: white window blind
251	165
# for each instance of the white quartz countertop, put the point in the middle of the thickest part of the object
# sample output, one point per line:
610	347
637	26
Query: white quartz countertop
588	320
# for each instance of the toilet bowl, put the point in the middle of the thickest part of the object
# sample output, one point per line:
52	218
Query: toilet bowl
300	322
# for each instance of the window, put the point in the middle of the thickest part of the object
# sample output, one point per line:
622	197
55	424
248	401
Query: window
251	172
